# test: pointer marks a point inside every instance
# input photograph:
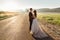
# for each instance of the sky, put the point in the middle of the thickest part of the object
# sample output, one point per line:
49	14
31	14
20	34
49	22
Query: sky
13	5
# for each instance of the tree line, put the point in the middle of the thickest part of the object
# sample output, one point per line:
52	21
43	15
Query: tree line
48	10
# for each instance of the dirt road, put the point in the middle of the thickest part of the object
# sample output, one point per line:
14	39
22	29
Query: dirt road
15	28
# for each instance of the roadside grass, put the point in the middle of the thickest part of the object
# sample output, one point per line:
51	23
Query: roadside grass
3	16
50	18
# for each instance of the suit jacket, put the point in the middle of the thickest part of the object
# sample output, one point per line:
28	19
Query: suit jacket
30	16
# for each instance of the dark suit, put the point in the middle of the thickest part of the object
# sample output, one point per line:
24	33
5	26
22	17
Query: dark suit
30	19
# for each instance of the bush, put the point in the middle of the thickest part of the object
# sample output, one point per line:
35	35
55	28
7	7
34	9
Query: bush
1	12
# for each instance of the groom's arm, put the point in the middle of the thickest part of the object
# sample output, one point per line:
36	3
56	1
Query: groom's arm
31	16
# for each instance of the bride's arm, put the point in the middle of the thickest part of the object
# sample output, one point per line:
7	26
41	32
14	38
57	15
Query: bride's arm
33	17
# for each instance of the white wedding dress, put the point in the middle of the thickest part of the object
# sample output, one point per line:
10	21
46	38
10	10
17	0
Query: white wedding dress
37	31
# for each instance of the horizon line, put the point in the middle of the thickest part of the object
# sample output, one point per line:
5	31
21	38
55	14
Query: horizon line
28	8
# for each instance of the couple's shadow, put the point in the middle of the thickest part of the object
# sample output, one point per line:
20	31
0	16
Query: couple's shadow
45	38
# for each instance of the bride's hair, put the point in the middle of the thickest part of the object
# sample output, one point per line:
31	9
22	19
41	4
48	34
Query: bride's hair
35	13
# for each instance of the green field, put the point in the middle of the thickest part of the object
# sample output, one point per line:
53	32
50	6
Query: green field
52	18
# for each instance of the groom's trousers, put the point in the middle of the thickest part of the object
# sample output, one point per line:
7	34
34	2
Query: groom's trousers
30	24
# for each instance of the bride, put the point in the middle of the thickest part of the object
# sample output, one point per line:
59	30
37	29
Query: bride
36	29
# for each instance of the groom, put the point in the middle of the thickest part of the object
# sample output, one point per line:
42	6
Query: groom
30	17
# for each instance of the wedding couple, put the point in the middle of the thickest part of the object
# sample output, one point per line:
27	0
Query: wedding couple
35	28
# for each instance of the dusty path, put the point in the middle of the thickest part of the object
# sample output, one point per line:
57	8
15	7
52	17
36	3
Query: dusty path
15	28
